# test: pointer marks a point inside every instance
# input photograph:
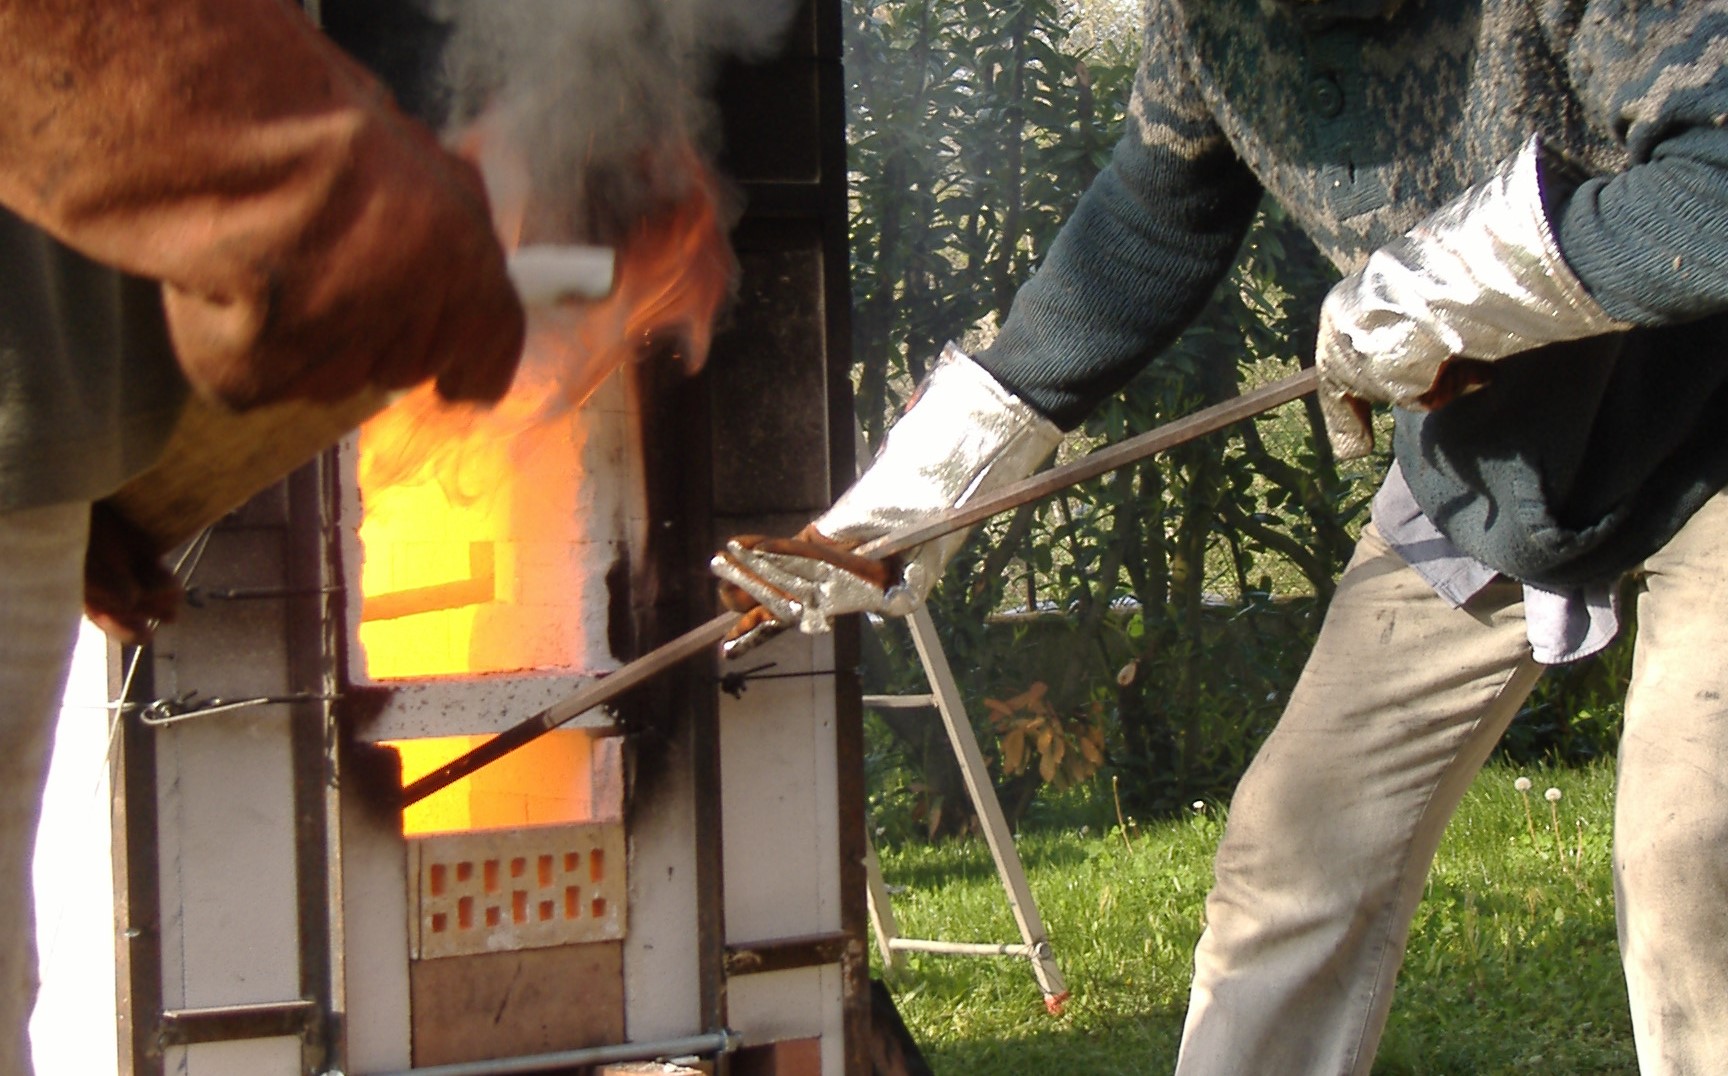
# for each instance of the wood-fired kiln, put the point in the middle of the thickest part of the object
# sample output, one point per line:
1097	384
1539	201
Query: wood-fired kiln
680	874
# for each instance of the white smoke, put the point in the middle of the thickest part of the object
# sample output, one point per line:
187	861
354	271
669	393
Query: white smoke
595	93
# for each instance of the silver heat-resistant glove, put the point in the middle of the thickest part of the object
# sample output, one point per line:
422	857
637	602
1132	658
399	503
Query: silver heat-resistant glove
962	435
1479	280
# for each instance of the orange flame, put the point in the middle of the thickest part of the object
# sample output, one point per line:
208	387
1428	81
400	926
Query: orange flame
471	516
673	271
473	521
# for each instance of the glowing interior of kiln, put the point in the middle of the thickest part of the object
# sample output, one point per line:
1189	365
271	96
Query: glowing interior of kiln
495	561
486	537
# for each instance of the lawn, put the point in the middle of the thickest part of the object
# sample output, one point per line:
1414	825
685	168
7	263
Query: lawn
1511	966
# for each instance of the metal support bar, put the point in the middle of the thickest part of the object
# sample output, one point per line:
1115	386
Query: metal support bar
783	954
948	948
161	713
899	702
996	832
224	1023
944	695
715	1042
197	597
138	882
880	907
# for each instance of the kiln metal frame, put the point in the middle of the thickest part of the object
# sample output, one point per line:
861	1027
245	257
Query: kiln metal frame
785	144
301	583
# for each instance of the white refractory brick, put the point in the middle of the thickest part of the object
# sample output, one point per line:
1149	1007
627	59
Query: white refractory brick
495	890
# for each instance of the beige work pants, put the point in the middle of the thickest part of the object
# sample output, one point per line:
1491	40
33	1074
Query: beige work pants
1333	828
41	599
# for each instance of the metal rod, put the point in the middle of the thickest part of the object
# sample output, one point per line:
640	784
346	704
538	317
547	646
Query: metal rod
1133	450
915	945
700	639
695	641
229	1023
900	702
783	954
712	1042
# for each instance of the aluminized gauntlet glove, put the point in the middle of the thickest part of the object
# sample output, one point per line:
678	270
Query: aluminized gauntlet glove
1480	279
964	434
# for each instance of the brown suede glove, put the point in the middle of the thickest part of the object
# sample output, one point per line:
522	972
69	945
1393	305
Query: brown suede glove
770	581
310	238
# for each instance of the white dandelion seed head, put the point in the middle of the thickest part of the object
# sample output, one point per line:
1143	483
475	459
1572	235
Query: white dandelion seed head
1199	805
1522	784
1552	795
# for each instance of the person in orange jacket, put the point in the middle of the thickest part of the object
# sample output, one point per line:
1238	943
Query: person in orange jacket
200	196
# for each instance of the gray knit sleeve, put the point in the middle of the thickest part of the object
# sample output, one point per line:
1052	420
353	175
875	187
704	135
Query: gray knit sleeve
1651	242
1148	242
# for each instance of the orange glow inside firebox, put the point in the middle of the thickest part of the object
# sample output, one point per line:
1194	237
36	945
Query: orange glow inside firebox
486	569
545	782
486	534
477	553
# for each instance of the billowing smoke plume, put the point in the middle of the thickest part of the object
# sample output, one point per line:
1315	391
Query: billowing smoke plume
597	97
588	119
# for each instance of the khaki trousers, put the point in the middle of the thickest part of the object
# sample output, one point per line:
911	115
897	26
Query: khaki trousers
1333	828
41	599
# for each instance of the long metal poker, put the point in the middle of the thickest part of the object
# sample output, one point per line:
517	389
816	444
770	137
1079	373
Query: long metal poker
708	635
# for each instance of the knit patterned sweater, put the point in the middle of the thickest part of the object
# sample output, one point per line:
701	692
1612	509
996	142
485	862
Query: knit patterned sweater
1574	464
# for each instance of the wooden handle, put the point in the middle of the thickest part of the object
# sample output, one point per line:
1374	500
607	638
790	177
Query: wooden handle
216	460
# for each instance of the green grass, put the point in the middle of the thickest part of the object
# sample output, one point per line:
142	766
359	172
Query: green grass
1511	967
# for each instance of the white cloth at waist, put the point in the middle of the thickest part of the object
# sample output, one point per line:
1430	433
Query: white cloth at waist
1563	625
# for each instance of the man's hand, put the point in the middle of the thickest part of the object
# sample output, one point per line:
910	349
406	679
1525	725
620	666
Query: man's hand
310	238
127	590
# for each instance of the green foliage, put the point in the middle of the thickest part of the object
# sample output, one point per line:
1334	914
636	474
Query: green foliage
1511	966
974	128
1179	747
